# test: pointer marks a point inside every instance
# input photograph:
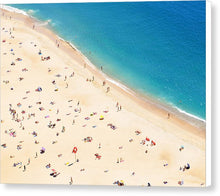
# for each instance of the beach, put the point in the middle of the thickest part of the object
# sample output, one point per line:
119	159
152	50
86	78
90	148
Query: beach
53	99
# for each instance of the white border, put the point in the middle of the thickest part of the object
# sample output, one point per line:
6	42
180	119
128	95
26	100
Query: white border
208	94
208	66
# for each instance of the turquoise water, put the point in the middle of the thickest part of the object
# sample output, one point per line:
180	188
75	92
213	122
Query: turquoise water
156	48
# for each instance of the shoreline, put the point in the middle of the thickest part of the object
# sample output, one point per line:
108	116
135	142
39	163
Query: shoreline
143	99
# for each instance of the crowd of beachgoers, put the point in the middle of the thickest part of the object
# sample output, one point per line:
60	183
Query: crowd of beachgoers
61	124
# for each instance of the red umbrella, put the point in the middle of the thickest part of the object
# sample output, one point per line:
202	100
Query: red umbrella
75	150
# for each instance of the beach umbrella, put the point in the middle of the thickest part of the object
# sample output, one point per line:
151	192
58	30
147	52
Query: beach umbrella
75	151
101	117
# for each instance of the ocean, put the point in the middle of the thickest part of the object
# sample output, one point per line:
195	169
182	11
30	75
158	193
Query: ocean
155	48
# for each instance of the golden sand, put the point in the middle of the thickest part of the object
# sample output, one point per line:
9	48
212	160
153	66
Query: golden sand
73	109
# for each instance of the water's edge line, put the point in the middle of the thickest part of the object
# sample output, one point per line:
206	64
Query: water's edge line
129	90
165	106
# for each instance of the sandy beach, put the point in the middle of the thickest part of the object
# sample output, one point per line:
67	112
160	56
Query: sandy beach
53	99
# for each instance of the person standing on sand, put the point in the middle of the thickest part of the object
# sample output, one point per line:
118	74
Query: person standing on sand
108	89
101	68
33	26
72	74
73	122
29	161
24	168
168	115
71	181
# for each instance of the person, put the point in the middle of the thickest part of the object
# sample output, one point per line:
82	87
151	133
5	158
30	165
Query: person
187	166
180	182
72	74
73	122
71	181
56	174
33	26
101	68
168	115
42	151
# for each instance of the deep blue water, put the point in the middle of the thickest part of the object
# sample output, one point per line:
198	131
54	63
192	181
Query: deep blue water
156	48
